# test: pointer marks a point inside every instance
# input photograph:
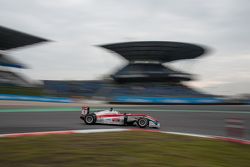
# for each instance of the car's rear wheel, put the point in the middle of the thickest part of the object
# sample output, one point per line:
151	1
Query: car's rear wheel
90	119
142	122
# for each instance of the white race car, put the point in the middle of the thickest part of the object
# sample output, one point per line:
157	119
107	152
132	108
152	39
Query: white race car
116	118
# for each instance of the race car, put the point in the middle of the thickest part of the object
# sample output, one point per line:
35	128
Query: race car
113	117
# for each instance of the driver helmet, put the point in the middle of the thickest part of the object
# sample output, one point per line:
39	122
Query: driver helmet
85	109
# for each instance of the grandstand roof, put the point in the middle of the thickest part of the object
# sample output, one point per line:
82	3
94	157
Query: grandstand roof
162	51
8	62
10	39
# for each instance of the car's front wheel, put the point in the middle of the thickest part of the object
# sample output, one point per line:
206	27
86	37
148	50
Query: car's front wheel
90	119
142	122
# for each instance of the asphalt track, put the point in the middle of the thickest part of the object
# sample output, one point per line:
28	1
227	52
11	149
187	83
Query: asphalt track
206	120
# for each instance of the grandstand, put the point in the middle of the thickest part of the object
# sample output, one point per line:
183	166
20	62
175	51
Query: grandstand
10	81
73	88
144	76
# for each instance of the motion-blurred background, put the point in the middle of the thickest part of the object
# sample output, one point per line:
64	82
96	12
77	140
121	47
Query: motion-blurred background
156	53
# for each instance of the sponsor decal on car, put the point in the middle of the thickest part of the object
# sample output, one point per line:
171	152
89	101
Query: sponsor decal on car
116	119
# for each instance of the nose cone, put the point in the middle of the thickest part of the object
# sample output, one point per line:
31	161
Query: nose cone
158	125
154	124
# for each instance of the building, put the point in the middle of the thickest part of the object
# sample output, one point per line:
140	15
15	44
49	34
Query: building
145	78
10	81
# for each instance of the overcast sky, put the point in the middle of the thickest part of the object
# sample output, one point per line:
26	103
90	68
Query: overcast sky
77	26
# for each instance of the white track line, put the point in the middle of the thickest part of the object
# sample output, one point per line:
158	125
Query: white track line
187	134
14	135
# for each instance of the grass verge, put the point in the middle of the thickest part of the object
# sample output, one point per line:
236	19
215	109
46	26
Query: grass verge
121	149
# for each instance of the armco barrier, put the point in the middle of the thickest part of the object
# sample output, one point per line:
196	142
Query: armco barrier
163	100
35	98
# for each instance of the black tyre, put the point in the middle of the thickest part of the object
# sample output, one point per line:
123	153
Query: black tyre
90	119
142	122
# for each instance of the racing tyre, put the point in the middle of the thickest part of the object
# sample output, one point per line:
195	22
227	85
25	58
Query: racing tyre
90	119
142	122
